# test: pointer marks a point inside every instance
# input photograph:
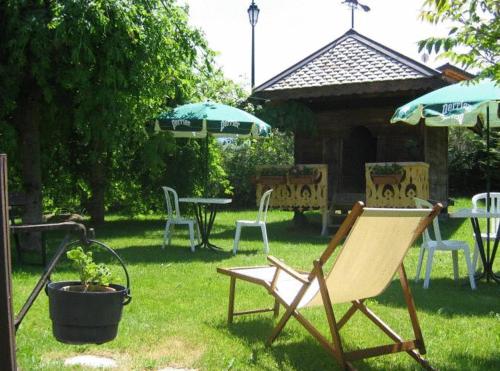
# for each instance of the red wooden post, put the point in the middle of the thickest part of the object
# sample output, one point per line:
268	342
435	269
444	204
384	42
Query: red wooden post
7	332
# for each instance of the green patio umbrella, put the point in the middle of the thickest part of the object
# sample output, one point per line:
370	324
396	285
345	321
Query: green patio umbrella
461	104
454	105
198	120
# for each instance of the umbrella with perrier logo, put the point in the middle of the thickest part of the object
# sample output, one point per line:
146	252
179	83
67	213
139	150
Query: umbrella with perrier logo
198	120
464	104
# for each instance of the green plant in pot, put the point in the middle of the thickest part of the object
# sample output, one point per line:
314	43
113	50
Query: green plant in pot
388	173
272	175
89	310
300	174
93	277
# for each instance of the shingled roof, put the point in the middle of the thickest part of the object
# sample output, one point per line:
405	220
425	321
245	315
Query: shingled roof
350	59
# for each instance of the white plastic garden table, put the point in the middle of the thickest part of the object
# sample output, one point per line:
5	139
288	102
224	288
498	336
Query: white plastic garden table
488	255
205	210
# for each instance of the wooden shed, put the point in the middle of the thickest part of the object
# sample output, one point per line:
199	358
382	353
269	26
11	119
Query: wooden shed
353	86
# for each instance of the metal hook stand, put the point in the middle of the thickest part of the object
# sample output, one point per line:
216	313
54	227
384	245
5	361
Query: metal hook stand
69	227
85	239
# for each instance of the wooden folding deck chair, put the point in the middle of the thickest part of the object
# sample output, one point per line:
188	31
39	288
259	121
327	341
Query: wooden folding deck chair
376	242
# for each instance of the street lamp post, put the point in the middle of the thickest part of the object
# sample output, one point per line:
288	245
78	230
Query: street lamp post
253	16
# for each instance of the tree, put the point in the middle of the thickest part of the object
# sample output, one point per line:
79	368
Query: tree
472	41
79	79
242	156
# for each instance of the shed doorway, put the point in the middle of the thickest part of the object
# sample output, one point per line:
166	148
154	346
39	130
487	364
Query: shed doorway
358	148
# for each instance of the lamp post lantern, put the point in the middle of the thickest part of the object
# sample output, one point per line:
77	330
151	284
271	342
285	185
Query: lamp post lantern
253	16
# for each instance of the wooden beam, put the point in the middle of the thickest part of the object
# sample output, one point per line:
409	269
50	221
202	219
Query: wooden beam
253	311
380	350
7	332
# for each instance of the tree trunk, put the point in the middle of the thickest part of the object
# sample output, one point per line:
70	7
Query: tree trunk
97	181
27	120
97	187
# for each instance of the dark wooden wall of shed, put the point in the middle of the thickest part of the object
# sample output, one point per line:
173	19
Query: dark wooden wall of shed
342	141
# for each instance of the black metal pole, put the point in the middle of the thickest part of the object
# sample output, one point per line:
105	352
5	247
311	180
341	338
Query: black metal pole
7	331
205	171
488	188
253	56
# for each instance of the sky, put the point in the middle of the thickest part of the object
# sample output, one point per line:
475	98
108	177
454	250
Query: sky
289	30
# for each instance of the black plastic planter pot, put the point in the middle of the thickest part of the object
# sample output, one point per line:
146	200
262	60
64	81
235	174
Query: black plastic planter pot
86	317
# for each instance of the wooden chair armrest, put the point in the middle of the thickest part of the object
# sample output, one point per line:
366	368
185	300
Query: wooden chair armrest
292	272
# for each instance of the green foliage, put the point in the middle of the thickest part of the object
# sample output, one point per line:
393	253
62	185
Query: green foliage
272	171
103	69
91	274
472	41
242	156
288	116
467	160
217	88
218	182
386	169
301	170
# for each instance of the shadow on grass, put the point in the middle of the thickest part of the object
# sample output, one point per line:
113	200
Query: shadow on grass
306	354
282	231
465	361
447	297
449	226
152	254
173	253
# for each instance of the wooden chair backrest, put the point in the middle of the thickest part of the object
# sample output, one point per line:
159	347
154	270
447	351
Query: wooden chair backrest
372	252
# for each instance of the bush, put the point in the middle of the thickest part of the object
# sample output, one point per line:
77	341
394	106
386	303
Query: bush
467	161
242	156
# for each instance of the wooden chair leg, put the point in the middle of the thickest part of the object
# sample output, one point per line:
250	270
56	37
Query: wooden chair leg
280	325
276	309
290	310
334	330
411	309
353	309
393	335
230	313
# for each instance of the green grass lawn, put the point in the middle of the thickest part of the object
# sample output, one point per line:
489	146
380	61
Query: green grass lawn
178	313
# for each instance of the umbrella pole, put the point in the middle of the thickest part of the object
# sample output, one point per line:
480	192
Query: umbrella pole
488	184
205	171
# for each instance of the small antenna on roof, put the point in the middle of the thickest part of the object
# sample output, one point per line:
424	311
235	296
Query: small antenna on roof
354	5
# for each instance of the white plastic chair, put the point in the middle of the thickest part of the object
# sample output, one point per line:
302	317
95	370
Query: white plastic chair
479	201
259	222
174	217
440	244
